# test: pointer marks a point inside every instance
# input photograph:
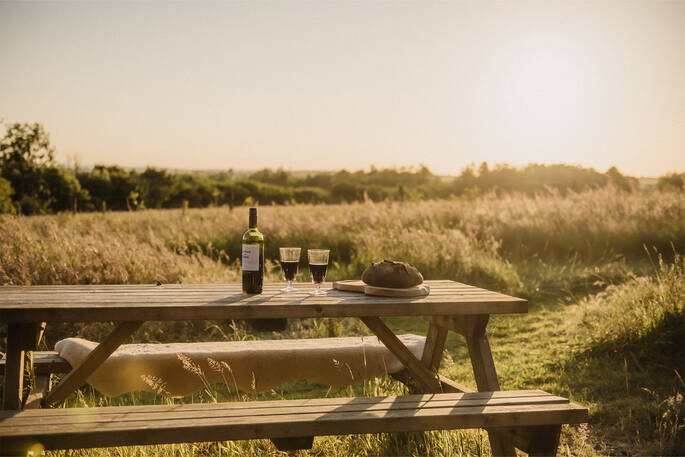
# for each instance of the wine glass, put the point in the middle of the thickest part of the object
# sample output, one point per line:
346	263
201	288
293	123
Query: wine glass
318	264
290	260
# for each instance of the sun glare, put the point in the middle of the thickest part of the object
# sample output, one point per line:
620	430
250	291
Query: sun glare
541	90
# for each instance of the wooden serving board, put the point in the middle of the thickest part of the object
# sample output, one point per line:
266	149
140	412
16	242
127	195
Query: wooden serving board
359	286
349	285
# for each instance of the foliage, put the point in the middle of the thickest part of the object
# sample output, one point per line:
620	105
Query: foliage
634	333
109	187
112	187
601	328
6	193
26	161
672	182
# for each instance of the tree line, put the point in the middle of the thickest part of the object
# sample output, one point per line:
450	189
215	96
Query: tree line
32	183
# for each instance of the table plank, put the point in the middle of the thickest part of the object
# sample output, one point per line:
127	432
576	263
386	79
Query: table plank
226	301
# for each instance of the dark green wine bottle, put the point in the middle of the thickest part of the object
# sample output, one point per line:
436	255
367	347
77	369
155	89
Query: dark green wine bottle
253	257
253	273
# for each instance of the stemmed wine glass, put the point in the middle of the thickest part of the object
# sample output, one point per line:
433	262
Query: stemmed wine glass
290	260
318	264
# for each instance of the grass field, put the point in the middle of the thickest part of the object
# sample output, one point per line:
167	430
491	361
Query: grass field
601	269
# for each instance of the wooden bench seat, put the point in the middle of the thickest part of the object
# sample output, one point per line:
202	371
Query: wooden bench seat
45	362
255	366
64	428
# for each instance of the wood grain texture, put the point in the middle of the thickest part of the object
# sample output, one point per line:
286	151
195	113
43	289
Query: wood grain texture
44	362
434	346
416	291
349	285
156	424
226	301
486	375
14	368
426	378
452	386
352	285
78	375
42	385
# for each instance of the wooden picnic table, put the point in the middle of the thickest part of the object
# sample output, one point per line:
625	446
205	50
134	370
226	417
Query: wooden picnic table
450	305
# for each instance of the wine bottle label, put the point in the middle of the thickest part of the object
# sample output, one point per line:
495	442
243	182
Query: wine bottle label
250	257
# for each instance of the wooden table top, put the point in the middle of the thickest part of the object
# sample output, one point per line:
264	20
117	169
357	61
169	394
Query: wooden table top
97	303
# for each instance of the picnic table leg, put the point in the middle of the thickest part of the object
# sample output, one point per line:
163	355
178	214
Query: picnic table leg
21	337
473	330
434	346
544	440
485	374
428	381
14	369
102	351
431	358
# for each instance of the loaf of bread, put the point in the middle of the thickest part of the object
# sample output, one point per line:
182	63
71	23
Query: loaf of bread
396	275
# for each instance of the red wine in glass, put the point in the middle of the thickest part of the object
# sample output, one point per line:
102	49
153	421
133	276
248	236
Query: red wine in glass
289	268
290	259
318	264
318	272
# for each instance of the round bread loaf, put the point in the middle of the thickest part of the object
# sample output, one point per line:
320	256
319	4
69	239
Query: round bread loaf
396	275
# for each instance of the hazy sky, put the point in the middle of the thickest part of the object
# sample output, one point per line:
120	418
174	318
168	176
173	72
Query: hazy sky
326	85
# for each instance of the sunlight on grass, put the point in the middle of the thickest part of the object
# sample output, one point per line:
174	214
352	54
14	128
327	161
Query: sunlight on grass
605	325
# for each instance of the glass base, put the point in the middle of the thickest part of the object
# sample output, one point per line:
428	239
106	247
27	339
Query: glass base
289	289
318	292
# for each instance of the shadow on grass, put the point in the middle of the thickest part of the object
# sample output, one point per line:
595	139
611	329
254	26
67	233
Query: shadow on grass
635	388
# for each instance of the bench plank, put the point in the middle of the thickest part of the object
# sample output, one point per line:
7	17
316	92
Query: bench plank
44	362
252	409
117	426
364	401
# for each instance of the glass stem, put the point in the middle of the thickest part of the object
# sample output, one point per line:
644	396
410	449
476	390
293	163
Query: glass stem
290	283
318	287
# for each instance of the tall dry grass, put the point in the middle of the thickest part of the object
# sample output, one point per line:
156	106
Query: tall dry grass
553	249
634	335
470	240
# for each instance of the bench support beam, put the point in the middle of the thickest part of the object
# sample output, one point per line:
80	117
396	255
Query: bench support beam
428	380
79	374
41	386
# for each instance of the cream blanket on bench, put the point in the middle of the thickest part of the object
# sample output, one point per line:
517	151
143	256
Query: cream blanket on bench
253	366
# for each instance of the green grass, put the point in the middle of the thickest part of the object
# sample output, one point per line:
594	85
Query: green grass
605	325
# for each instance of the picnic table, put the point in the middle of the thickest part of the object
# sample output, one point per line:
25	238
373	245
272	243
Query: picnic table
450	305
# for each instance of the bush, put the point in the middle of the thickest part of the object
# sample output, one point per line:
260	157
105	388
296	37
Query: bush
629	356
672	182
6	192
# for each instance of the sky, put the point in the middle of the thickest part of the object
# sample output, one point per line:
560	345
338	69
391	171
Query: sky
348	84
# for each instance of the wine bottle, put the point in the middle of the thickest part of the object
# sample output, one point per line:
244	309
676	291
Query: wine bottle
253	257
253	273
